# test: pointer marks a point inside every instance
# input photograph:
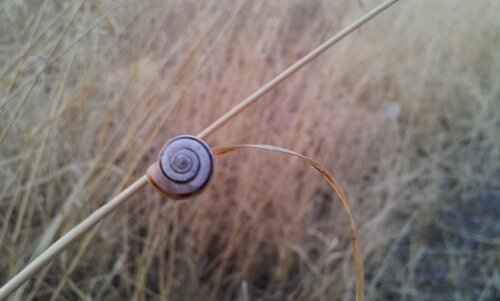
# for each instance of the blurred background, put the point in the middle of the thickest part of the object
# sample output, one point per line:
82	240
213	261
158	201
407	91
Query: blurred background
405	112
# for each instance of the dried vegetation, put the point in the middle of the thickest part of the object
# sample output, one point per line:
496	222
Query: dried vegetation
405	112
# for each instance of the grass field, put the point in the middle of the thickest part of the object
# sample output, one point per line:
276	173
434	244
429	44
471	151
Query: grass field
405	112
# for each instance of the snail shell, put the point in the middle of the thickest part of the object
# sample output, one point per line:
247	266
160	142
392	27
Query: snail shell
183	169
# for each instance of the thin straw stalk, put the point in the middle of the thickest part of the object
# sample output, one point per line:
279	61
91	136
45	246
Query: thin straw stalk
356	249
62	243
292	69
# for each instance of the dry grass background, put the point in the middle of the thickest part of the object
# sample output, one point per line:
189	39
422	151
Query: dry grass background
405	112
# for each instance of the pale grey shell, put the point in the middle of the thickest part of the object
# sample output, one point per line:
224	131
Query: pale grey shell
186	164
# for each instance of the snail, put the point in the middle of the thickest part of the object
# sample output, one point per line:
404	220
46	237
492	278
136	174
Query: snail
183	169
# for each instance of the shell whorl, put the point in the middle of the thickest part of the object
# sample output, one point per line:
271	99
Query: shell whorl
184	167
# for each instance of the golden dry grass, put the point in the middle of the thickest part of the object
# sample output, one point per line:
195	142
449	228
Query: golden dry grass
405	112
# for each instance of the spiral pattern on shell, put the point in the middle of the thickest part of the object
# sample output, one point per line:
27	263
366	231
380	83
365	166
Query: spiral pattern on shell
184	167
